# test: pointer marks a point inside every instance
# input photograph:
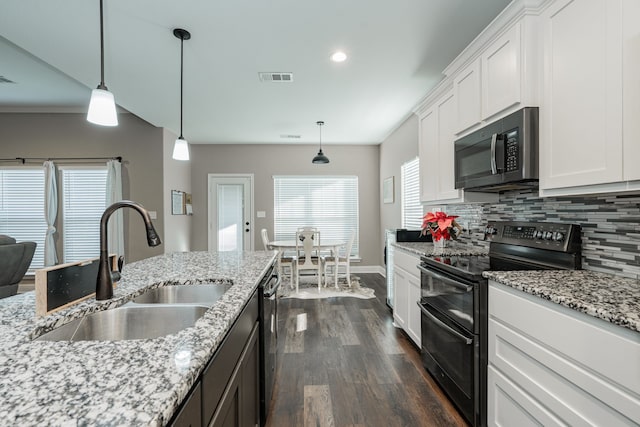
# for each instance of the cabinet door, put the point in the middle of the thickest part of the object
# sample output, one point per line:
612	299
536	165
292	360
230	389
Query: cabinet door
401	290
250	386
190	415
581	111
444	160
631	84
414	318
501	73
428	152
467	91
228	412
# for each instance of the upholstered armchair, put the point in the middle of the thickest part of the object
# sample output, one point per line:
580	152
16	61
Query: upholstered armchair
14	263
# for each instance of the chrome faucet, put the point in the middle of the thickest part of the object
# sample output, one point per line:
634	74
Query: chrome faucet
104	283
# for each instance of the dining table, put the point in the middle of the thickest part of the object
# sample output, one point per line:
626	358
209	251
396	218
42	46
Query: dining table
332	245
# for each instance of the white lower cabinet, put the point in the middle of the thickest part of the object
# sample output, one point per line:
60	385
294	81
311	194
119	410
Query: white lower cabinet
553	366
406	312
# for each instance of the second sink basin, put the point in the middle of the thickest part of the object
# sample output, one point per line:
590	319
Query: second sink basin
205	294
129	323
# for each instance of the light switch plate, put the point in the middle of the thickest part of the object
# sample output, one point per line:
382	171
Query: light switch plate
261	214
153	214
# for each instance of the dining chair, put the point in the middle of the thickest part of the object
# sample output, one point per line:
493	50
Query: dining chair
337	260
265	239
307	256
283	261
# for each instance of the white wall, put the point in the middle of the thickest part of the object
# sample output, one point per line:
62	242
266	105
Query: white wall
400	147
264	161
176	176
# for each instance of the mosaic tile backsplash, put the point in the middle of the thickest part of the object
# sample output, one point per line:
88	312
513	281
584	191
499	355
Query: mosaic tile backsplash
610	224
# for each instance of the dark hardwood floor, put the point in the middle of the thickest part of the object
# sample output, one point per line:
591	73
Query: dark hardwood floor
343	363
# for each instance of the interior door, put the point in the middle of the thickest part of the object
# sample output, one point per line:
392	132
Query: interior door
230	212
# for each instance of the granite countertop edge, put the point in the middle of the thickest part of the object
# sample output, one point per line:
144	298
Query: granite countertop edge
136	382
604	296
461	247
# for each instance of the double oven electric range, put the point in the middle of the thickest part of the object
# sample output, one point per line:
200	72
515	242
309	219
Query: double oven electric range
454	303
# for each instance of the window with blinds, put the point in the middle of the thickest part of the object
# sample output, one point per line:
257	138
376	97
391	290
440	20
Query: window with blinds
83	202
329	203
410	195
22	208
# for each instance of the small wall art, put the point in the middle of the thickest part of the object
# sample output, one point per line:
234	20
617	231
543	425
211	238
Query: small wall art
387	190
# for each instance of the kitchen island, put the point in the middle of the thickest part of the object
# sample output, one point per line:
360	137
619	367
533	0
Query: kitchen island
137	382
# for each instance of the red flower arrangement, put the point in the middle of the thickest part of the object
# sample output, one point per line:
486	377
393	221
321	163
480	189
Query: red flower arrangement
441	226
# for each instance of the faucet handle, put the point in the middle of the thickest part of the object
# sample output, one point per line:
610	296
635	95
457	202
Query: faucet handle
115	276
120	263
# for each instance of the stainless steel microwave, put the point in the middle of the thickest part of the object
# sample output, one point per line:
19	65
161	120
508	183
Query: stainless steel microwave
500	156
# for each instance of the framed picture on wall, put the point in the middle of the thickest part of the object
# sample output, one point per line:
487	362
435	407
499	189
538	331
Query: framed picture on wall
177	202
387	190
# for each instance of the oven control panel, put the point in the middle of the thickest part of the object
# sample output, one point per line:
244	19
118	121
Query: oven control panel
547	235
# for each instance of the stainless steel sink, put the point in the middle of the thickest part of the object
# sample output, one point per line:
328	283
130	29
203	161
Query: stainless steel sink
129	322
205	294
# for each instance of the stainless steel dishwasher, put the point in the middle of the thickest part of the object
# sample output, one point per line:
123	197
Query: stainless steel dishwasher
268	290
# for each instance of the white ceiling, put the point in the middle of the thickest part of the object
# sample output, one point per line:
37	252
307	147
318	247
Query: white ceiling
397	51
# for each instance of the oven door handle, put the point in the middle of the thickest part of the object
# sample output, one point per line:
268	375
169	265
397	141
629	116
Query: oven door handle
443	325
452	282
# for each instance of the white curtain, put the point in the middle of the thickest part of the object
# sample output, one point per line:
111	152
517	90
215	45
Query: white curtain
50	212
115	229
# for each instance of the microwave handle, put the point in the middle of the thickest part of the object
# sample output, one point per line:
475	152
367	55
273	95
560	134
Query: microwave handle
494	167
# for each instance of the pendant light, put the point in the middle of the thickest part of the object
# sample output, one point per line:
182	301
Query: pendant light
181	147
320	157
102	106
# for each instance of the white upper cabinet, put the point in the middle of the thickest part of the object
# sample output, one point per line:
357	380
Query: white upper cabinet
437	122
589	132
501	73
436	151
467	92
631	92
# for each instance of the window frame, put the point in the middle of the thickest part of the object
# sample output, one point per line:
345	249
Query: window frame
409	203
329	230
62	211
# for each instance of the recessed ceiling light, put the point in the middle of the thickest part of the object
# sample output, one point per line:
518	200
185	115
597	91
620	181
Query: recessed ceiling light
339	56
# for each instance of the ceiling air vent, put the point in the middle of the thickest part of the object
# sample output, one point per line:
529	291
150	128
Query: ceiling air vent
3	79
275	77
289	136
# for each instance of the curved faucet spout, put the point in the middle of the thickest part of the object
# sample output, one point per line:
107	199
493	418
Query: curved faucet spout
104	282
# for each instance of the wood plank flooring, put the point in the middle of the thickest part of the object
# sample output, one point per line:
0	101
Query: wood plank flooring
342	363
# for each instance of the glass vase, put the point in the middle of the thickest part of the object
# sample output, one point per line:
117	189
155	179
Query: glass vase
439	246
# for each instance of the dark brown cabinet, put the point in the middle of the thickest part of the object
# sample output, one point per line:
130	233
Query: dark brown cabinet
228	392
190	415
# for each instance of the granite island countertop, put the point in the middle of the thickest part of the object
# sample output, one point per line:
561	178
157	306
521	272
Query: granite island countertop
604	296
109	383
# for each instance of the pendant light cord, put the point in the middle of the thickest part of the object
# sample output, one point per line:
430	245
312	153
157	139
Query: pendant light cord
102	85
320	123
181	79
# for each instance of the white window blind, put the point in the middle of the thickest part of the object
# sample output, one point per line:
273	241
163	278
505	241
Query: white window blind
22	208
410	195
83	202
329	203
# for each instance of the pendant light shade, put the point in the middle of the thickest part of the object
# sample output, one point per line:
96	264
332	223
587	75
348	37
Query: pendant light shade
181	149
102	106
320	157
181	146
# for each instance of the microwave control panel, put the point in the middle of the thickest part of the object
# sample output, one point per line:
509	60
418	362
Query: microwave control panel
512	155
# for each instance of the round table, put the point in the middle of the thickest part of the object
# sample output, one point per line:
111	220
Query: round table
332	245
